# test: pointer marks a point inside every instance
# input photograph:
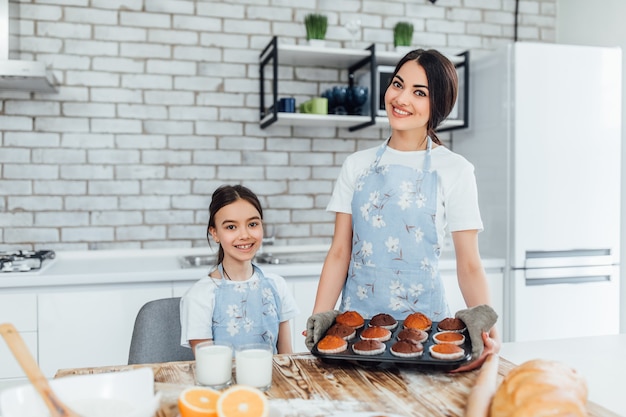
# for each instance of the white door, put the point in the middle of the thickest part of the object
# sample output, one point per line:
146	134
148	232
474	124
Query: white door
566	148
556	303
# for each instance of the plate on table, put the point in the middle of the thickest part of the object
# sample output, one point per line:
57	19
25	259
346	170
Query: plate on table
387	359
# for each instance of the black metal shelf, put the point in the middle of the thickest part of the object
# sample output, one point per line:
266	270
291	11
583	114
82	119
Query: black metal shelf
352	60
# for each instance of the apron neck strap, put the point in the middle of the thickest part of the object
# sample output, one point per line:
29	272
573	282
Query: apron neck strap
381	150
429	147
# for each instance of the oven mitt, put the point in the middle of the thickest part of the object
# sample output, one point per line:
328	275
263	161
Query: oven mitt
317	325
477	319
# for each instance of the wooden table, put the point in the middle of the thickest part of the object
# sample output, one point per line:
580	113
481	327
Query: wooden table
303	385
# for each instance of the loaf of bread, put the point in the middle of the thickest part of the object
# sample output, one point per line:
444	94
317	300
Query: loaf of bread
541	388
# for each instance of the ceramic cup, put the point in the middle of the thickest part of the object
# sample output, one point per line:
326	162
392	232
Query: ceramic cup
317	105
253	365
214	364
287	105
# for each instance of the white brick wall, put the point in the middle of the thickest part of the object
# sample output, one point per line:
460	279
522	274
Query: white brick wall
157	106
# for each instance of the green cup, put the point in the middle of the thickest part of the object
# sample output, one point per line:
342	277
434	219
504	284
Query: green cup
317	105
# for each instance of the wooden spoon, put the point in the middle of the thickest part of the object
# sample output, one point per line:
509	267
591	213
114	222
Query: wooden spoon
34	374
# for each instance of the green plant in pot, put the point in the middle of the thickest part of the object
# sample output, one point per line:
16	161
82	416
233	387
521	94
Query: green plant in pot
316	25
402	34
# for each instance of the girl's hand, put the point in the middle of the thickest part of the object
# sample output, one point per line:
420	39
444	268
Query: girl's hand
491	346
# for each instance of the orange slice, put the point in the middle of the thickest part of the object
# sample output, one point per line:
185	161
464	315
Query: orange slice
198	402
242	401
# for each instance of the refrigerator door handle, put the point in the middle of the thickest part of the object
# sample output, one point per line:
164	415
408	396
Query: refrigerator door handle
577	275
569	258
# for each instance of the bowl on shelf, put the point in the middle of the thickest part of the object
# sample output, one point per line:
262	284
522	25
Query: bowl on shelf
345	99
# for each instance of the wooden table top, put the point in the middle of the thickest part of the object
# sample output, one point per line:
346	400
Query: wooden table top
303	385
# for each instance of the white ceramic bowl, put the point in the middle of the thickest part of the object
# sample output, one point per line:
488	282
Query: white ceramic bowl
120	394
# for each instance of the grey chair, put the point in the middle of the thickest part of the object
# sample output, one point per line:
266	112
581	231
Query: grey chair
156	335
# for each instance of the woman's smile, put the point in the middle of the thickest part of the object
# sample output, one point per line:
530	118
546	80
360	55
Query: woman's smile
399	112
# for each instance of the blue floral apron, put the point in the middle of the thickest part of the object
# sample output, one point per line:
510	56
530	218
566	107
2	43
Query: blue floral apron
394	266
246	311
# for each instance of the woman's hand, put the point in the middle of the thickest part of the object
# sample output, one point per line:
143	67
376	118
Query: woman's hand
490	346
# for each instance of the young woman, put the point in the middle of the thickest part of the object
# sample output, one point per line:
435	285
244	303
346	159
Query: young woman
395	202
237	302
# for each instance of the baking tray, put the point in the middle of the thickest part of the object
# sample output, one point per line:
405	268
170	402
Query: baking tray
387	359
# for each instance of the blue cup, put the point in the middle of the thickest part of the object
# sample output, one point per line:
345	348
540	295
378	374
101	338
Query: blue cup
287	105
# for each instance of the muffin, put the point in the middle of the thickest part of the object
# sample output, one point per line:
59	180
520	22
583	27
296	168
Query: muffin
417	321
446	351
451	337
368	347
451	324
350	318
331	344
412	334
376	333
407	349
341	330
384	320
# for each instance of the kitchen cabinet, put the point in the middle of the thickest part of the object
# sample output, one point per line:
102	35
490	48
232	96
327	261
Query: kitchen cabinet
20	309
276	55
90	325
495	279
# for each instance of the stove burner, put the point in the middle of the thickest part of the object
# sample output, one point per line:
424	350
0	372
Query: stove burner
23	260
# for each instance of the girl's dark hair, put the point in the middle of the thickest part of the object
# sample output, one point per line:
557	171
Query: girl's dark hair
443	85
223	196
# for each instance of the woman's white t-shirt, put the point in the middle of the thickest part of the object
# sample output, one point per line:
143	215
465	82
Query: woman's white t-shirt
196	306
457	196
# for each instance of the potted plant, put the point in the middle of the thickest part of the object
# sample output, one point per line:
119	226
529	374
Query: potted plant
316	25
402	35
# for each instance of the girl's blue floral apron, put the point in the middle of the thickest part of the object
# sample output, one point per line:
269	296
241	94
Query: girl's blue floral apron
246	312
394	267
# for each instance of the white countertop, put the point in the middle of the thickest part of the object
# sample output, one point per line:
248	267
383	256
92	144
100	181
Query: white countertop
154	265
600	359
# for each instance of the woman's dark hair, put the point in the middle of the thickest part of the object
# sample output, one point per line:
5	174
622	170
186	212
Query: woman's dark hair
443	85
223	196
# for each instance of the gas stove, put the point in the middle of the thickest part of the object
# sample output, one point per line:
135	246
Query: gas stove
24	260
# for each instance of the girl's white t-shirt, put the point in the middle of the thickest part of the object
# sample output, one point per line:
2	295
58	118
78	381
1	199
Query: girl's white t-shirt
196	306
457	196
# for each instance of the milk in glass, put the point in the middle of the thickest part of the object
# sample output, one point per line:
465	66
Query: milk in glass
253	364
214	364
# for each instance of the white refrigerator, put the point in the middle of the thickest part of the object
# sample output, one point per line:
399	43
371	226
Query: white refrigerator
544	136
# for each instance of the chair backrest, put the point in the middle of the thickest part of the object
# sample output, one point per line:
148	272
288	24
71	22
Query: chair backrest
156	335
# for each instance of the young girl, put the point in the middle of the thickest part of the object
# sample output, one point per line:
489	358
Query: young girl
394	203
237	302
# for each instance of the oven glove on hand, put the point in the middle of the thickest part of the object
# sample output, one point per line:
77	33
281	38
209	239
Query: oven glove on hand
317	325
477	319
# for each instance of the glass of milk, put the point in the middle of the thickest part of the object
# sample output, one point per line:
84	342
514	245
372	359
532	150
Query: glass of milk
253	365
214	364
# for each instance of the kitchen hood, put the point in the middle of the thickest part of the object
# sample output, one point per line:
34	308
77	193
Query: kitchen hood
20	75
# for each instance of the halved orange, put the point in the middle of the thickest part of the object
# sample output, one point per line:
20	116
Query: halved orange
198	402
242	401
